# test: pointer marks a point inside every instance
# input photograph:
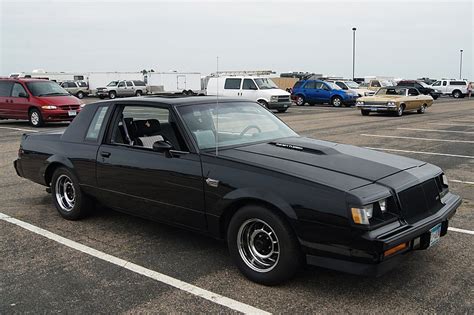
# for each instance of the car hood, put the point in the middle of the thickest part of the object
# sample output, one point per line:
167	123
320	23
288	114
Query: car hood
323	162
59	100
381	98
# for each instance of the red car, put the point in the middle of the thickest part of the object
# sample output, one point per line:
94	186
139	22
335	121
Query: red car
39	101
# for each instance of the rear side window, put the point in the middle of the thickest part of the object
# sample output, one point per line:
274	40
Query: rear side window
129	83
17	90
5	88
376	84
78	77
96	124
82	84
232	84
298	84
457	83
310	85
139	83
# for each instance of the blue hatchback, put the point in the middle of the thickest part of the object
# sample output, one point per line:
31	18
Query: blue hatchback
316	91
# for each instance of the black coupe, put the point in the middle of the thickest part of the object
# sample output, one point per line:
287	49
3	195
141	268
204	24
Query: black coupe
233	170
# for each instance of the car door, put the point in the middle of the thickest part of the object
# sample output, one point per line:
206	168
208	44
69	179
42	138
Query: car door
156	185
324	92
444	87
130	88
122	89
414	101
232	87
249	90
5	90
19	101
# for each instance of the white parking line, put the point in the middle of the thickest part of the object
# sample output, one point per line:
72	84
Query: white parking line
415	138
460	181
461	230
422	152
451	124
19	129
435	130
181	285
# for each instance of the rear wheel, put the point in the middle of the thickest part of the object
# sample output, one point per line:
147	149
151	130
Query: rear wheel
336	101
457	94
80	95
69	200
422	109
300	100
263	245
112	95
35	118
364	112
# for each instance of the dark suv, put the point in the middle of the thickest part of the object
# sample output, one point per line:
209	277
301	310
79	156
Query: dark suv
421	86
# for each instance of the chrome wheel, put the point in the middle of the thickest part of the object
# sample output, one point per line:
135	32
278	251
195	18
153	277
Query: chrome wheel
258	245
400	110
65	193
336	102
34	118
299	101
422	109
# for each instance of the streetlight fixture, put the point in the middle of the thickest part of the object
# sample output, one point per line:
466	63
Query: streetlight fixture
460	65
353	51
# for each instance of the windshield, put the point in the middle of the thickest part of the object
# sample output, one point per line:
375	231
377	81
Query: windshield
46	88
391	91
364	85
113	83
352	84
265	84
386	83
239	123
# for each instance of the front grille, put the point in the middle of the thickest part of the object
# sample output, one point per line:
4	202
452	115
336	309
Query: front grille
375	103
420	201
283	98
69	107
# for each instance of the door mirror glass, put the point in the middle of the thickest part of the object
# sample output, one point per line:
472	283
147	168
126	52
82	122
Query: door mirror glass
162	146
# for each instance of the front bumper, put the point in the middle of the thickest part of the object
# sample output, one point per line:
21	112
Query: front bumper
59	115
279	105
368	258
377	108
102	93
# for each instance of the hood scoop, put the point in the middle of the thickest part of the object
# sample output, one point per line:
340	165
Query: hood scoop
297	148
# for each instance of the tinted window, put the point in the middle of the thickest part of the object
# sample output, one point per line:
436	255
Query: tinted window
249	85
437	83
297	84
78	77
129	83
320	85
232	84
17	90
405	83
375	84
96	124
310	85
121	84
139	83
445	83
82	84
412	92
457	83
5	88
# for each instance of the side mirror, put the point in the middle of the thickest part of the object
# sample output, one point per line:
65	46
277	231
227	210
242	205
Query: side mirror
162	146
23	94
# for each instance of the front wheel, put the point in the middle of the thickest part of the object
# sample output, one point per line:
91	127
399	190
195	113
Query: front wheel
263	103
263	245
364	112
69	200
400	110
35	118
422	109
80	95
112	95
300	100
336	101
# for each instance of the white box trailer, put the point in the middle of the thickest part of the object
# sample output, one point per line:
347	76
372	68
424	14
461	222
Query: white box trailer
174	82
101	79
52	76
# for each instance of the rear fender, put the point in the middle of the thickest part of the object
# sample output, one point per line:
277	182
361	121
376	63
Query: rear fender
54	161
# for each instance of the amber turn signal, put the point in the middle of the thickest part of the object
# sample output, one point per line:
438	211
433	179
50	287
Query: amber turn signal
395	249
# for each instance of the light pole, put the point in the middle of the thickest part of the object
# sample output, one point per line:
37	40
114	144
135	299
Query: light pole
460	66
353	51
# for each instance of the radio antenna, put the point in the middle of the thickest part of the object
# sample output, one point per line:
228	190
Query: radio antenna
217	107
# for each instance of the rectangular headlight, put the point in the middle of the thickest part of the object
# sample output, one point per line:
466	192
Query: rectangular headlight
445	180
49	107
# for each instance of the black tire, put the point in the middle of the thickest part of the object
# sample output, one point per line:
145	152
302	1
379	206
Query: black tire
184	92
457	94
35	118
364	112
138	93
435	97
400	110
80	95
190	92
112	95
82	203
289	258
263	103
300	101
101	97
282	110
336	101
422	109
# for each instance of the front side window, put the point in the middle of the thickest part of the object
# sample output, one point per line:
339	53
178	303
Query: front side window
96	124
232	84
445	83
265	84
230	124
142	126
121	84
413	92
46	88
392	91
437	83
249	85
18	90
376	84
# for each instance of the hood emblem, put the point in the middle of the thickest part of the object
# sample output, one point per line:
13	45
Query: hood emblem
147	124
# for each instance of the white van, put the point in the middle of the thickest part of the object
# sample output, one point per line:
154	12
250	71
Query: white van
259	89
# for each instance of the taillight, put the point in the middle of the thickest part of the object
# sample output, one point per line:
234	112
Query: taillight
20	152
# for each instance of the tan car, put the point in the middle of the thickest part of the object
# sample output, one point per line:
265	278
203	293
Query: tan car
394	100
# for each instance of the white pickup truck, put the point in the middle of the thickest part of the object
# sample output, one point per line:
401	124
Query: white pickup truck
455	88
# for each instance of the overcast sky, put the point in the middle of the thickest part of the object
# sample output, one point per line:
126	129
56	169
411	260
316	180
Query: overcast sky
394	38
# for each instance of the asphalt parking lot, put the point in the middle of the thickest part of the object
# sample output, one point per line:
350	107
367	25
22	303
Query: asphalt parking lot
39	274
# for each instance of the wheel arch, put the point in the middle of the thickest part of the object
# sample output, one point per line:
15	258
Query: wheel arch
52	164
